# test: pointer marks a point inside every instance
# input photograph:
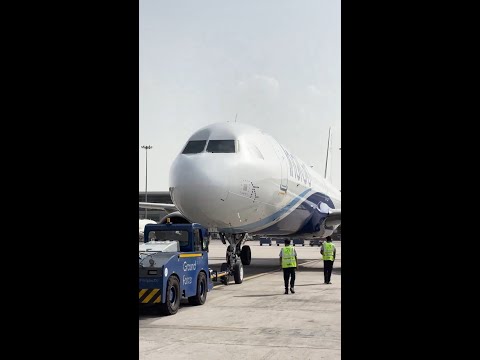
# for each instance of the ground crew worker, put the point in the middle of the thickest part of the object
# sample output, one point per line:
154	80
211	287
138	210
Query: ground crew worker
329	252
288	262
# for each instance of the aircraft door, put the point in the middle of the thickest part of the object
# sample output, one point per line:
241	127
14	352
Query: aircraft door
283	164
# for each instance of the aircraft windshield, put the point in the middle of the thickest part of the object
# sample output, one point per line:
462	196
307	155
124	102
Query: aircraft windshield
194	147
221	146
180	236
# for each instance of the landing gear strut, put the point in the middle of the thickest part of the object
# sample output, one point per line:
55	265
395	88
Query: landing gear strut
234	252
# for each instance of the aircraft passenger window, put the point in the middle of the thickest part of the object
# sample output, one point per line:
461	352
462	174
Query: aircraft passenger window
221	146
194	147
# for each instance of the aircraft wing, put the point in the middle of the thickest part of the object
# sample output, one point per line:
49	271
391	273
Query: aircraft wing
169	208
334	217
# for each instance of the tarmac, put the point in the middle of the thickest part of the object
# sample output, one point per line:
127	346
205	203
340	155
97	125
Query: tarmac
255	319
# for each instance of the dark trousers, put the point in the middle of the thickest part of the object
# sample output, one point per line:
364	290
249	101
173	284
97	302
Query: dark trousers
287	272
327	270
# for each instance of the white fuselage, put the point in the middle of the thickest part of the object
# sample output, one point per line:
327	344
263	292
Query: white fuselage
260	188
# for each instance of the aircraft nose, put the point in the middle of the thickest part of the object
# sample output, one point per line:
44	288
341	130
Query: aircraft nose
199	188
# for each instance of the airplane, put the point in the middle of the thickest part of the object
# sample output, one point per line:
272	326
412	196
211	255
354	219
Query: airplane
238	181
141	227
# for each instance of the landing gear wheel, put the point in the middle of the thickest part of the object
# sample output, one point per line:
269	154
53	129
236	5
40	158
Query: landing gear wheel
224	267
172	301
201	296
246	255
238	272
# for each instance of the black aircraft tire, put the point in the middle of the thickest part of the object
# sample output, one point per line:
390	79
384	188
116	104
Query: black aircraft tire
246	255
224	279
238	272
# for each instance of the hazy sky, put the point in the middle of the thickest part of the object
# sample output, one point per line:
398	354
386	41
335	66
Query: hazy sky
274	63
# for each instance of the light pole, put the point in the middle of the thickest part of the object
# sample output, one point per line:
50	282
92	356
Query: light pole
146	147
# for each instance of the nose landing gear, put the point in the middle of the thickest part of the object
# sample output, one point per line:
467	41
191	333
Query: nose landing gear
236	252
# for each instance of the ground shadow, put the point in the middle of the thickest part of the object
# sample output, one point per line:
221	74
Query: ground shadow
260	295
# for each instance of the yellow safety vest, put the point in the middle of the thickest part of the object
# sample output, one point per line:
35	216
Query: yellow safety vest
288	257
328	251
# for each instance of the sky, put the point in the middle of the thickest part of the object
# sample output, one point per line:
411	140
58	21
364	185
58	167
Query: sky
273	64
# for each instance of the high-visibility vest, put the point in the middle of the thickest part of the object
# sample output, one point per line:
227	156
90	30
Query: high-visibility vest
288	257
328	248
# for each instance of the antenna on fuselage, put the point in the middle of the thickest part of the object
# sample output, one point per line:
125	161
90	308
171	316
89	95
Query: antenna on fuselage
236	117
328	149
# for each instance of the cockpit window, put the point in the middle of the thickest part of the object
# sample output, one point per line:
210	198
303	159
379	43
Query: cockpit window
194	147
221	146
